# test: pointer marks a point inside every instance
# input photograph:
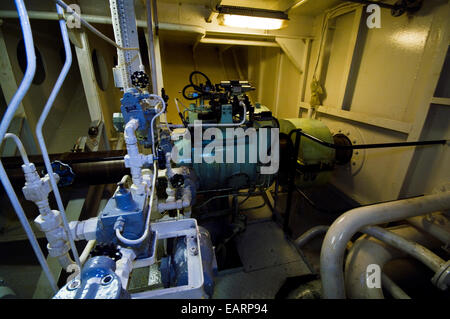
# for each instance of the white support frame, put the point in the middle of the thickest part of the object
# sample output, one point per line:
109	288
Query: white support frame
84	57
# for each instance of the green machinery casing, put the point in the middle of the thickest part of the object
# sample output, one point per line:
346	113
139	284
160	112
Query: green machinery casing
237	175
311	154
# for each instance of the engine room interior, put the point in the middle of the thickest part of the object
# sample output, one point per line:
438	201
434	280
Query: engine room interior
223	149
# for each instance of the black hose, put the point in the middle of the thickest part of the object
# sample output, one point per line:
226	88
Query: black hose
200	73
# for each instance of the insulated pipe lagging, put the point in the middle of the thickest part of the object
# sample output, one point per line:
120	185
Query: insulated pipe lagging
342	230
40	137
7	118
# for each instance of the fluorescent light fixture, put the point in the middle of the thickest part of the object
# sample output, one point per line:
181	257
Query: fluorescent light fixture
234	20
250	18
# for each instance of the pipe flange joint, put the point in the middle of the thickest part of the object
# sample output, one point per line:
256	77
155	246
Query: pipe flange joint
442	277
119	224
48	222
28	168
56	251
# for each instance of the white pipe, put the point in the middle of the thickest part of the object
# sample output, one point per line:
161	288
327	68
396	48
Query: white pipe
413	249
182	203
393	288
40	137
7	117
133	155
91	27
427	224
368	250
44	15
20	147
124	266
310	234
87	249
152	124
147	223
342	230
296	4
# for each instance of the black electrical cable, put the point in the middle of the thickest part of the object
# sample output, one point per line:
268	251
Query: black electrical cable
183	92
191	81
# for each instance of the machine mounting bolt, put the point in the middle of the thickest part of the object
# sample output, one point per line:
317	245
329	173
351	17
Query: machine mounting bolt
107	280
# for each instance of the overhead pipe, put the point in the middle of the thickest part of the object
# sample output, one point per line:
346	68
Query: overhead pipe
91	27
295	5
7	118
44	15
348	224
40	137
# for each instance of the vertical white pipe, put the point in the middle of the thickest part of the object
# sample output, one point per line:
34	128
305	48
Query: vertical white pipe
40	137
11	109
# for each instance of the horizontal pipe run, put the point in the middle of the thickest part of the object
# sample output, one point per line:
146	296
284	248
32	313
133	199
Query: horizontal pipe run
311	234
47	15
12	162
92	28
348	224
90	168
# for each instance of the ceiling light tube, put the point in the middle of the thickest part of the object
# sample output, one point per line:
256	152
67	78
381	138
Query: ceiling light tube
251	18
